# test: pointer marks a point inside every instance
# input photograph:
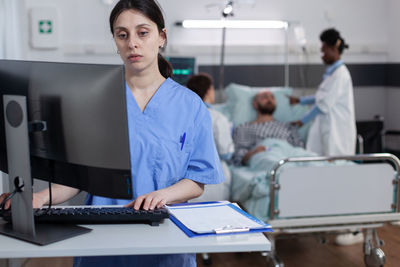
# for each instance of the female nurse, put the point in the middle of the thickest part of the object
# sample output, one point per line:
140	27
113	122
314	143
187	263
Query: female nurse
334	129
171	142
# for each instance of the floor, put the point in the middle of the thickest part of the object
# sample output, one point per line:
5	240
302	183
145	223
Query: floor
310	252
304	251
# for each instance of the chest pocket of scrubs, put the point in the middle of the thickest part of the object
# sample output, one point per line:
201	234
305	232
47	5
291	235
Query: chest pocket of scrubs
172	162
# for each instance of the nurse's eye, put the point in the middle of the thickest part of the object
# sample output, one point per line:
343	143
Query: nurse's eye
122	35
143	33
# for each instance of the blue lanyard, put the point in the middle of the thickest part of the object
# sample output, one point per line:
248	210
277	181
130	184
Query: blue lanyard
331	69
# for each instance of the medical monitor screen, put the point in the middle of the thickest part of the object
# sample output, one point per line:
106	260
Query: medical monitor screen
84	142
183	68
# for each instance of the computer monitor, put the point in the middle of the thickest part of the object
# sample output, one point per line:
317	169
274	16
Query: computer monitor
85	144
184	67
77	122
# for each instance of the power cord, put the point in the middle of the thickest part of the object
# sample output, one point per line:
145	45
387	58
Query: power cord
52	171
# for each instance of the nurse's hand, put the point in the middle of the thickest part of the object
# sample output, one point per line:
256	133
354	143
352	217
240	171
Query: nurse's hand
179	192
293	100
150	201
8	202
298	123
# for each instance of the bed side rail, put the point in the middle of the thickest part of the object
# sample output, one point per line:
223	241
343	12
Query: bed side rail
274	186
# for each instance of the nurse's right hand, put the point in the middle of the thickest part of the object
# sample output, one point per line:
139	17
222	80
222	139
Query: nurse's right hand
293	100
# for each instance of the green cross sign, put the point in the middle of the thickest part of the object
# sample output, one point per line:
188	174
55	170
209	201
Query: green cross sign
45	26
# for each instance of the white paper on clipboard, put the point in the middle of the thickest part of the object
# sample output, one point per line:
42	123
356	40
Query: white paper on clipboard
217	217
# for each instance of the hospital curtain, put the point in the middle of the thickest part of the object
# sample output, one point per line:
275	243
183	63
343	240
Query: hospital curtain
10	32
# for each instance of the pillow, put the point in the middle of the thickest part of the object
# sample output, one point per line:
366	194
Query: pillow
223	108
239	105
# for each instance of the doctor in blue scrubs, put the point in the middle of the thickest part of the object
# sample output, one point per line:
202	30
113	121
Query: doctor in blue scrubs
171	142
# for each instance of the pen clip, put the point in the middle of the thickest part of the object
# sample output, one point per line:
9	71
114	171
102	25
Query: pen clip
182	140
230	229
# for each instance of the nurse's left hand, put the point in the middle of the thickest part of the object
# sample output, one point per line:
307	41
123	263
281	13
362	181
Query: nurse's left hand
150	201
293	100
298	123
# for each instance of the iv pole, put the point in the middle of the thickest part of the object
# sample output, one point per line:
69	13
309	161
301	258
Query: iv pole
286	71
221	66
227	11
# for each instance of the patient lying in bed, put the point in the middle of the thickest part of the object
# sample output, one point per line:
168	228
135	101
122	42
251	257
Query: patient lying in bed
259	145
248	135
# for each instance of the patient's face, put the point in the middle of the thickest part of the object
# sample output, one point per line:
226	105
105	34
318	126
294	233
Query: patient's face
265	103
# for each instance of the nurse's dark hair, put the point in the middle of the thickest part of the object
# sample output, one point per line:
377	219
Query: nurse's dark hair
151	9
200	84
332	38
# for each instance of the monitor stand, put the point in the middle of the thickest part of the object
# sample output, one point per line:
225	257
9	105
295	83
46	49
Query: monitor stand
19	173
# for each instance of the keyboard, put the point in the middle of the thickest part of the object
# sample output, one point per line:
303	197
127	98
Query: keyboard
96	215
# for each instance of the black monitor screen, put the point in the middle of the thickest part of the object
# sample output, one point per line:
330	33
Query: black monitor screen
86	143
184	67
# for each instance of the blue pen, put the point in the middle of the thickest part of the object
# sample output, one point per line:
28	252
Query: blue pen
183	137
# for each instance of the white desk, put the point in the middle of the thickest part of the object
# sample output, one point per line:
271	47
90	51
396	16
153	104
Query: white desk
129	239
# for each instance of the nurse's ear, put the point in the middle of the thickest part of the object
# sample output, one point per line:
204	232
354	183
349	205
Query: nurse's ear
163	38
338	43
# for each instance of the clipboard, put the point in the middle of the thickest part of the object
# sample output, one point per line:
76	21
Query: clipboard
204	219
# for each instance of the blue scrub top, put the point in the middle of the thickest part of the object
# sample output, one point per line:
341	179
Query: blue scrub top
170	140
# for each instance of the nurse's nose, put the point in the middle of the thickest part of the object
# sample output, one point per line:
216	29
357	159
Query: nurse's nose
132	42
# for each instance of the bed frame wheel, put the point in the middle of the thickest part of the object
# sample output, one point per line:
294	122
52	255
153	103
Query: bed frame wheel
375	259
274	261
206	259
373	255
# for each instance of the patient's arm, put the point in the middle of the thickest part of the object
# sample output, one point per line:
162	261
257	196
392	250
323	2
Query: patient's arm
251	153
294	138
243	143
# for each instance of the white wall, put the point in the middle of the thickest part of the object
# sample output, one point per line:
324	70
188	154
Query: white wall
3	182
85	36
353	18
392	119
369	26
394	31
364	109
393	93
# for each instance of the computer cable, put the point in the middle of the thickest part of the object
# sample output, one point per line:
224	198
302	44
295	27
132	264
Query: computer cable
50	196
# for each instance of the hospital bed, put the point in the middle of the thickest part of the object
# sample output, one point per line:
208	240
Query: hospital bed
334	198
314	195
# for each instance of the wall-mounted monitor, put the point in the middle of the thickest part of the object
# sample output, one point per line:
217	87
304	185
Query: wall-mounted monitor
184	67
